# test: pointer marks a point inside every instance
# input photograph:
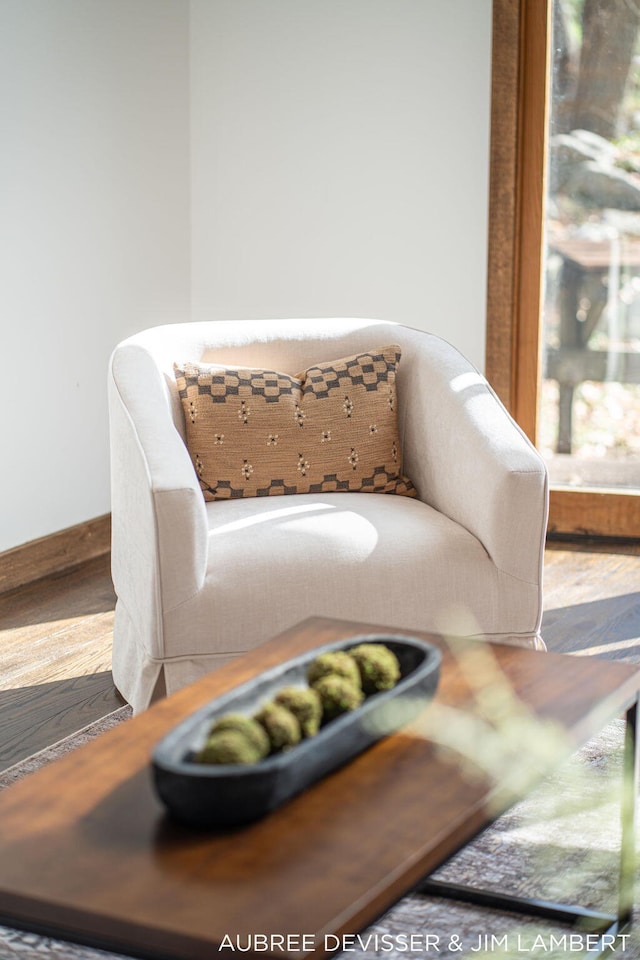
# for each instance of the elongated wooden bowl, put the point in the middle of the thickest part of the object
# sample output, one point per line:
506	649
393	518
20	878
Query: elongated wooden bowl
224	795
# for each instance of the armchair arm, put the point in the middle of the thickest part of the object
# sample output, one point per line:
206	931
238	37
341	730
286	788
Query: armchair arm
471	461
159	525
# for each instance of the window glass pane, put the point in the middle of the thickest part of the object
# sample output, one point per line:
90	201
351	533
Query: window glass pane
589	413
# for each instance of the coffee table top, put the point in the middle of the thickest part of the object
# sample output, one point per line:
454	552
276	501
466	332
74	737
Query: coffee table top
87	852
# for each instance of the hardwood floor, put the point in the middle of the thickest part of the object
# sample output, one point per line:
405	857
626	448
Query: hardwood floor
592	600
55	658
55	637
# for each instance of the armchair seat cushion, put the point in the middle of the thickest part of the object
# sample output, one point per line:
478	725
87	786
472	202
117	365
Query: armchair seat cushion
381	559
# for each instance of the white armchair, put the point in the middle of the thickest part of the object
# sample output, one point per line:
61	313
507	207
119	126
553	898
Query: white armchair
199	583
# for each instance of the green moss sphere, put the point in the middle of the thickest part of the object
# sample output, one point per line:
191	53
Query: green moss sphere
251	729
304	703
228	746
335	662
281	726
378	665
337	695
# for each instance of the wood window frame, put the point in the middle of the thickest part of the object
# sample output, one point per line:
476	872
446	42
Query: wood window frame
519	98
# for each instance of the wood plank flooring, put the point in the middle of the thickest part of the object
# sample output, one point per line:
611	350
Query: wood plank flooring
55	637
592	600
55	659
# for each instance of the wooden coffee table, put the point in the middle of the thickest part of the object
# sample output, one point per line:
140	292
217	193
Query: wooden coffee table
88	854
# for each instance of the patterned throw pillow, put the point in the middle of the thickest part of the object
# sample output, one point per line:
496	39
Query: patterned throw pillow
259	433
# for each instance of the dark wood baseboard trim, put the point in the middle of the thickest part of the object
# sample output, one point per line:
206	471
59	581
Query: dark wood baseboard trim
53	554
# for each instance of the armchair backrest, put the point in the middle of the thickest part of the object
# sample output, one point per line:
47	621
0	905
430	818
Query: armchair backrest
286	345
456	436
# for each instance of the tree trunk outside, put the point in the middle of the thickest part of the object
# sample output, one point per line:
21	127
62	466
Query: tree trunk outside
609	34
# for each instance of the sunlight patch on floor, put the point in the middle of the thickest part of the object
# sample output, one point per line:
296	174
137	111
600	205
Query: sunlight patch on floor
629	644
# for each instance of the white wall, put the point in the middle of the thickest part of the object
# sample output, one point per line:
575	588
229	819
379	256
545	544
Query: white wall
94	233
340	161
331	154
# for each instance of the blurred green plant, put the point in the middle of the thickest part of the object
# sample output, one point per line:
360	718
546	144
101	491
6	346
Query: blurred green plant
501	740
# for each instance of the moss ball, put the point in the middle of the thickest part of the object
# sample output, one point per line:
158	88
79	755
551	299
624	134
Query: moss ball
337	695
335	662
304	703
281	726
251	729
378	665
228	746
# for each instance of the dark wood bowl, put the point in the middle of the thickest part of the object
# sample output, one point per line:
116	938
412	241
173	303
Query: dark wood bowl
224	795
